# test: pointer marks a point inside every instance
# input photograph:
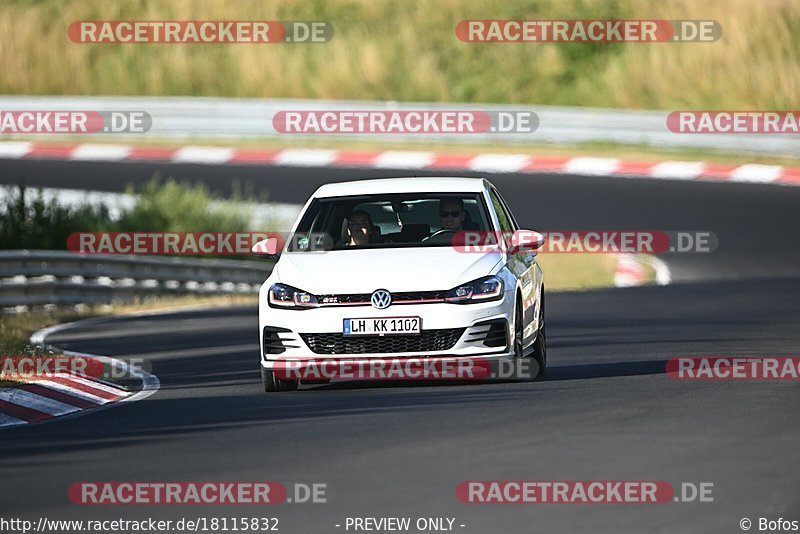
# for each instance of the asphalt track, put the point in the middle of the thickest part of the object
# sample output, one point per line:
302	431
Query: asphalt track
605	411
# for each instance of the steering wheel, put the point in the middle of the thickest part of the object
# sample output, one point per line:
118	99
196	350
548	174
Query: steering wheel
439	235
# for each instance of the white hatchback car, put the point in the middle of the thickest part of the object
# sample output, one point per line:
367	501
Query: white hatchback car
377	269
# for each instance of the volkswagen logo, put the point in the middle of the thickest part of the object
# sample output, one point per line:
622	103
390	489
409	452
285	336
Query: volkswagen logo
381	299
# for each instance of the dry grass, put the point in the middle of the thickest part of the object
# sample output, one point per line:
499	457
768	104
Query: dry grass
16	329
408	51
573	272
179	303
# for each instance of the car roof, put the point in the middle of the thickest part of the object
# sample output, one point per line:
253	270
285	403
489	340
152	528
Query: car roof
402	185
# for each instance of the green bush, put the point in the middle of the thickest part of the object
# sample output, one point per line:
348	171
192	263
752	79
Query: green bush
181	207
33	223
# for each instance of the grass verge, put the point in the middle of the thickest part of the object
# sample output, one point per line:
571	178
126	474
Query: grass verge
409	51
576	272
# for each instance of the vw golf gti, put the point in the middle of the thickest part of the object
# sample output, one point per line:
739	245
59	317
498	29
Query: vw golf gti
386	269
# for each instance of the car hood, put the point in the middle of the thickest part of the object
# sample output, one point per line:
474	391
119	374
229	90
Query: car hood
395	269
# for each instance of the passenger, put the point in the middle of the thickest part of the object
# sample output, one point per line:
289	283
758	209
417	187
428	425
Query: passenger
360	229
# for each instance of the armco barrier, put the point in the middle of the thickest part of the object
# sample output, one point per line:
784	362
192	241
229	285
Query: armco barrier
183	118
41	277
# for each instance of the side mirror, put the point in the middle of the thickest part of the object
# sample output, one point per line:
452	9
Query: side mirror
267	249
526	241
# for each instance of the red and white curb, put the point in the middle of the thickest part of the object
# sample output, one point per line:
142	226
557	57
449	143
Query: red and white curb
631	271
61	394
46	398
413	160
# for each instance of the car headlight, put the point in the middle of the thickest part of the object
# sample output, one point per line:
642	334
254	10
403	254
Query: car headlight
283	296
480	290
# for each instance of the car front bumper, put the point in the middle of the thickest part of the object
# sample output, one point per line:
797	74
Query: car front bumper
478	330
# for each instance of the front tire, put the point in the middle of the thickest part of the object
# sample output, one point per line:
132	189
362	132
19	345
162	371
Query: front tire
540	345
518	330
521	364
273	384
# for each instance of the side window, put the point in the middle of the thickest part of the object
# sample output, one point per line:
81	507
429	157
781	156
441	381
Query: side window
506	224
510	215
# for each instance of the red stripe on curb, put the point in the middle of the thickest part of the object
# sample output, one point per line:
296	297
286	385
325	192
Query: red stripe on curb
634	271
151	154
22	412
39	150
718	171
546	163
60	396
257	155
789	176
451	161
85	388
642	168
356	158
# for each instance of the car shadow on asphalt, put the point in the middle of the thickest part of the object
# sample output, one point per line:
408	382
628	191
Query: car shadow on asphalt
175	414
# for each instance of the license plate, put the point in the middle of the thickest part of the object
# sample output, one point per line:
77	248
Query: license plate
382	326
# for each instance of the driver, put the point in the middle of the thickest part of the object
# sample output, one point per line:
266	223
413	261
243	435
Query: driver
360	229
451	214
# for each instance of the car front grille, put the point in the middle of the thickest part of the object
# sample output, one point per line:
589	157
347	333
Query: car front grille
401	297
427	341
356	298
417	295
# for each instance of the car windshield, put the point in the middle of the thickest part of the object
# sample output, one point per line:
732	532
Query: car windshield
389	221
